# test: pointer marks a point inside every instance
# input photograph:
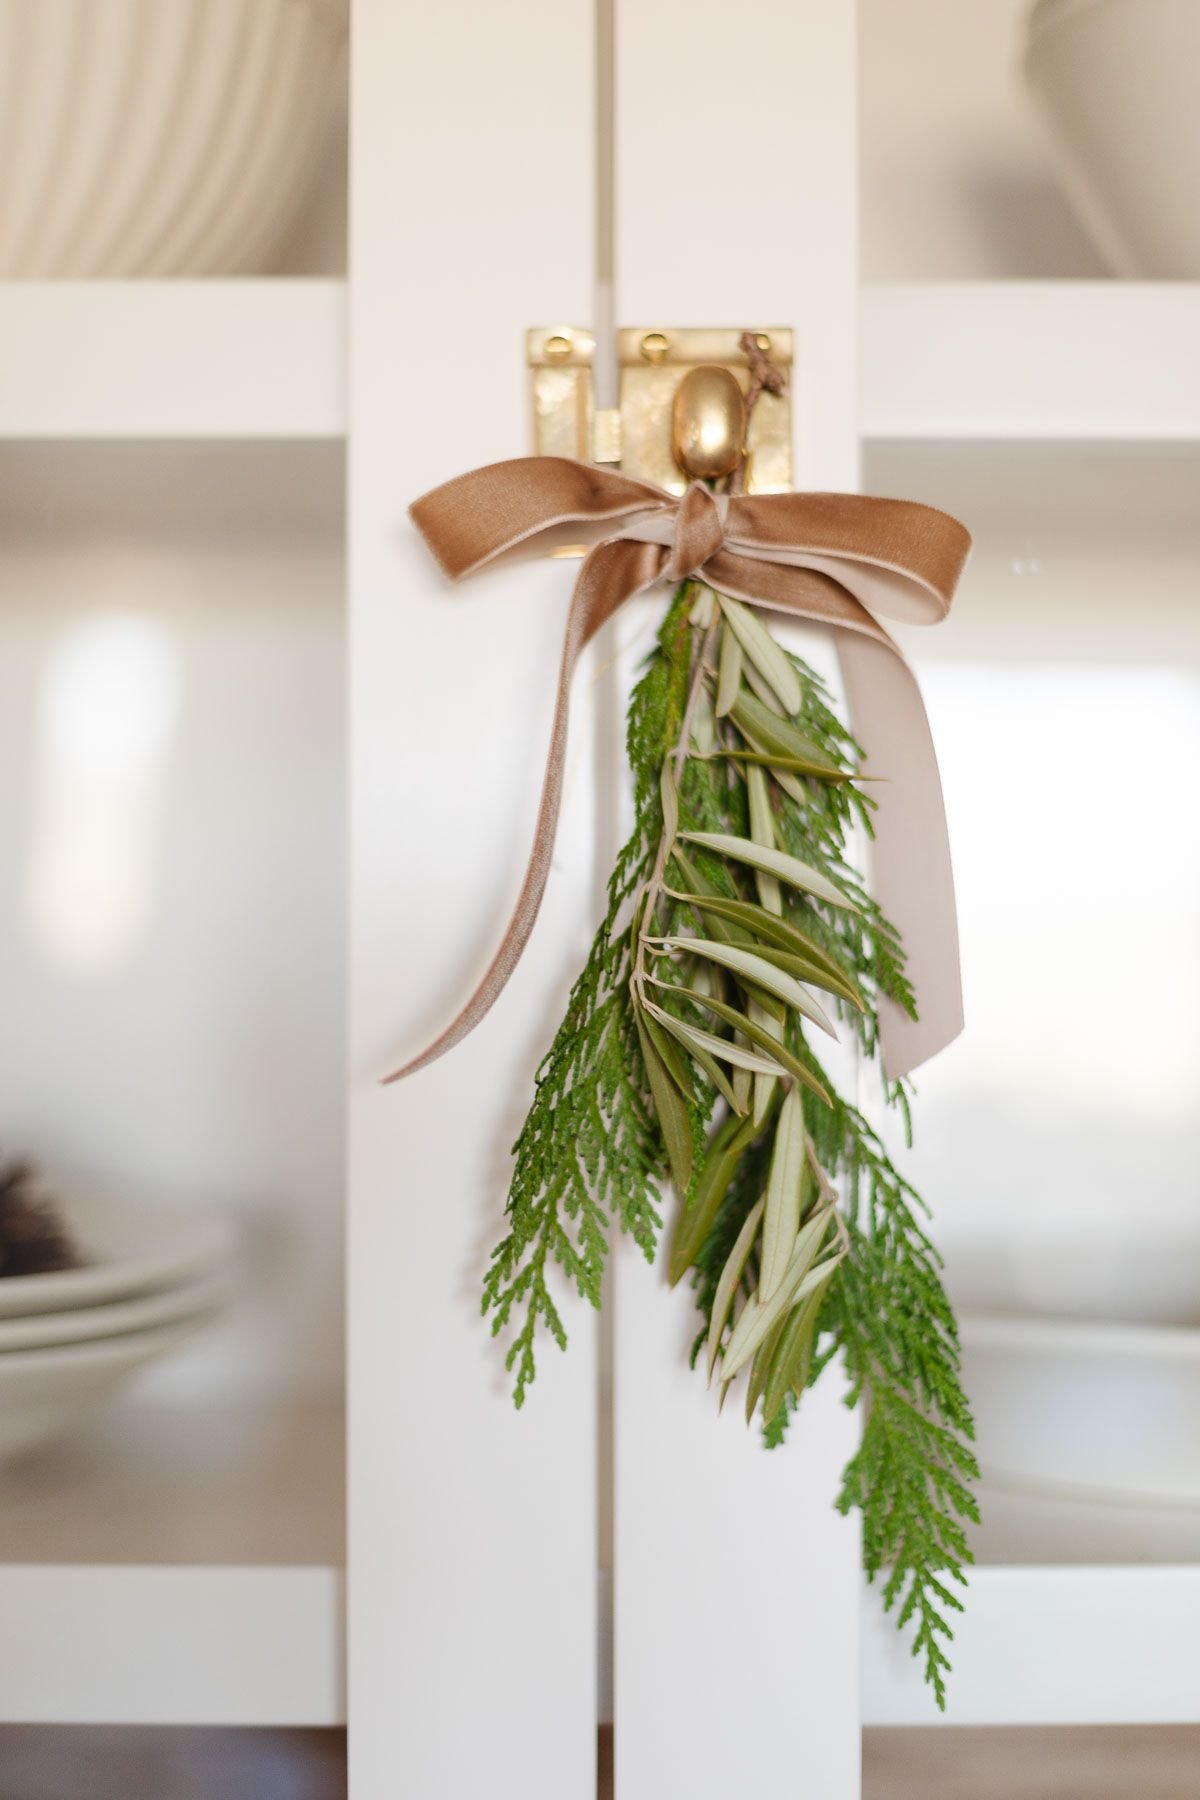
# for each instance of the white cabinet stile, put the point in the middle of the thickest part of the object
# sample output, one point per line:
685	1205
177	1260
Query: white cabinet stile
472	1529
736	1584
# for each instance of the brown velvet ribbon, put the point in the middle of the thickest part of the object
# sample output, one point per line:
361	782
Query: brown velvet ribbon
838	560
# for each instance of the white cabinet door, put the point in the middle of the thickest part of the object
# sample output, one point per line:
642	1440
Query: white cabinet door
472	1614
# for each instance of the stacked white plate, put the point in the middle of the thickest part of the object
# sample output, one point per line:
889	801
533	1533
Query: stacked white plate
151	1276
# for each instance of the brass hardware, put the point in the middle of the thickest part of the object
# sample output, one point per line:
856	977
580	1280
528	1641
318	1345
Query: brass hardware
561	361
606	435
677	419
708	422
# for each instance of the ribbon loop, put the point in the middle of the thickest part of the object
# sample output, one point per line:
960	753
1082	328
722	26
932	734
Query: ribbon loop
836	560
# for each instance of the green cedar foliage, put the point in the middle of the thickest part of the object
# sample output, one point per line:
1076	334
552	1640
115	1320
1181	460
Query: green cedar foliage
683	1035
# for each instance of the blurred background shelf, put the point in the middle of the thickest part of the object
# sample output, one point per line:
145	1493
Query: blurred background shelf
172	359
1082	361
1075	361
1078	1613
178	1566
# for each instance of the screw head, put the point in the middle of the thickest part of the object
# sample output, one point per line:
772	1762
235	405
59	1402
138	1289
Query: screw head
557	348
654	347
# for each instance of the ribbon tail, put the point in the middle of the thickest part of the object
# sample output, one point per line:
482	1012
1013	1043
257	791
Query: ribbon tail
612	573
913	879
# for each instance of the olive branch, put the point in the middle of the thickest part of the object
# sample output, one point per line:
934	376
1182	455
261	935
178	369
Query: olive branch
735	927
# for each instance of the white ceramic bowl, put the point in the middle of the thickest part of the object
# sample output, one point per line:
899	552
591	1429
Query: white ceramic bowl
45	1393
89	1324
1115	84
159	137
130	1246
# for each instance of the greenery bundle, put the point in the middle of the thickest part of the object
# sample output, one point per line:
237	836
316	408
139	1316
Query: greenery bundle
737	931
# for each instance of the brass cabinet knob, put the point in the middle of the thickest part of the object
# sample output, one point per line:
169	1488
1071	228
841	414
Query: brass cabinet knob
708	422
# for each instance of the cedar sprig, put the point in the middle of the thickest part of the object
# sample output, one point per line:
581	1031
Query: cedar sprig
737	920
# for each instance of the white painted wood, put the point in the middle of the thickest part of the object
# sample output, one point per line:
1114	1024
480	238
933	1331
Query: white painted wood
177	1566
120	1645
1051	1646
1070	360
172	359
472	1615
736	1585
1076	360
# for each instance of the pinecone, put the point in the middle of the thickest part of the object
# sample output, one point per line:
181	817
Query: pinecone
33	1239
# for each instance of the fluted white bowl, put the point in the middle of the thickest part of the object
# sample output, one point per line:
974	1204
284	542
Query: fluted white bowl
159	137
1115	84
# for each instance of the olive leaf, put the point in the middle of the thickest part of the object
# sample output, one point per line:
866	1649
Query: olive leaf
756	920
695	1221
694	1037
758	1317
731	1274
671	1109
729	674
762	830
776	1050
771	733
776	862
760	971
766	655
781	1220
793	1350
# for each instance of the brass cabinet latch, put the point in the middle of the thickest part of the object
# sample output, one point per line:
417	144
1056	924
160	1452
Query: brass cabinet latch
681	415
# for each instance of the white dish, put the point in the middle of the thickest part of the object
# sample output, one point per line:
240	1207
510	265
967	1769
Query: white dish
160	137
45	1393
131	1246
89	1324
1114	83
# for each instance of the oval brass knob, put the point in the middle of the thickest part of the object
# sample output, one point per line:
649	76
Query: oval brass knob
708	422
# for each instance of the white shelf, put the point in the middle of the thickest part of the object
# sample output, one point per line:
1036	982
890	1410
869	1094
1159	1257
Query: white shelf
172	359
1099	361
1081	361
1077	1614
177	1568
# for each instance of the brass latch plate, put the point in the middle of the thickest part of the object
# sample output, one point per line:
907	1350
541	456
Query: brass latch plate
638	433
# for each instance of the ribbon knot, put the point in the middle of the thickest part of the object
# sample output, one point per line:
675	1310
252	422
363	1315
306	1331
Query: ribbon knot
837	560
699	532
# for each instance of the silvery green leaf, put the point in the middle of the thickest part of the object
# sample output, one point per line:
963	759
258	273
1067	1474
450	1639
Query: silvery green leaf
671	1111
758	1317
762	973
762	830
792	1350
764	652
704	723
704	608
729	673
724	1048
787	1060
695	1221
764	1085
719	1079
727	1285
781	1220
763	925
761	689
768	732
776	862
